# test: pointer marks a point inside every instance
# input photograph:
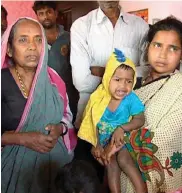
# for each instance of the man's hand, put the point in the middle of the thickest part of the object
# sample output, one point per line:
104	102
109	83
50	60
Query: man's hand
97	71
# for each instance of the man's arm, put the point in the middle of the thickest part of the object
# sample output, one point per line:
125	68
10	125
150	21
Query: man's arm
143	40
83	79
143	69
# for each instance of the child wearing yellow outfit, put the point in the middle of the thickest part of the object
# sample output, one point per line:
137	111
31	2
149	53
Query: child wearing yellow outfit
113	110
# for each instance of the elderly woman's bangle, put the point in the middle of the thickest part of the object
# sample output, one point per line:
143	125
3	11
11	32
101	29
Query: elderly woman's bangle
64	128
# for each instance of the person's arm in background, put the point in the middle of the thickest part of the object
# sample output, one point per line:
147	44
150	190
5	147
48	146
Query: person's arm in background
143	68
83	78
143	41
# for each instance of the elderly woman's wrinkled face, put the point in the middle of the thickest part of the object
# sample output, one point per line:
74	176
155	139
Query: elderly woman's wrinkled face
26	44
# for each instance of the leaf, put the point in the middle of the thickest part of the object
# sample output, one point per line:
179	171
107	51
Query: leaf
170	173
167	162
119	55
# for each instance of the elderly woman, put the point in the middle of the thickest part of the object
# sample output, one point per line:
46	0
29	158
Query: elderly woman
37	135
161	92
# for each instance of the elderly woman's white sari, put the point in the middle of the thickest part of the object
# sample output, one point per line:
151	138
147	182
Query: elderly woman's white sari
163	101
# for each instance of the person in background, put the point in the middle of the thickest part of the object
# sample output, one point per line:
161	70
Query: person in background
93	38
77	177
4	22
59	47
38	137
161	92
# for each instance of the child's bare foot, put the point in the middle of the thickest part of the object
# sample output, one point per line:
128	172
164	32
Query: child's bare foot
109	151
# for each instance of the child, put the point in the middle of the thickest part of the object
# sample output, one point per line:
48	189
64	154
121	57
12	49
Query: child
106	120
77	177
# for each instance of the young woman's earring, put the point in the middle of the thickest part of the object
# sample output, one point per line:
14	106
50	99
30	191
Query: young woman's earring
180	66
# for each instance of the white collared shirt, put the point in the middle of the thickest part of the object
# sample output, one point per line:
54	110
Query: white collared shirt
93	40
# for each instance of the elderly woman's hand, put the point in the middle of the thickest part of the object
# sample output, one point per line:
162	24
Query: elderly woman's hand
55	131
37	141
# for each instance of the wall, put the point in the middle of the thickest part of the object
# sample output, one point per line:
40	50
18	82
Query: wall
18	9
22	8
157	9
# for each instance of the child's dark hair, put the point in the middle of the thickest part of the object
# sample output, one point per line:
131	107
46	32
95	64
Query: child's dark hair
4	10
126	67
77	176
167	24
42	4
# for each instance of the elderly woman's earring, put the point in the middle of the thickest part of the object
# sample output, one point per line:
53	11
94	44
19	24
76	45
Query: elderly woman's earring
9	51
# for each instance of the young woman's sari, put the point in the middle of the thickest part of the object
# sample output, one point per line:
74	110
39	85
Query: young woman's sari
22	169
163	101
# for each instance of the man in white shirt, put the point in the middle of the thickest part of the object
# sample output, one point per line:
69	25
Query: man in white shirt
93	38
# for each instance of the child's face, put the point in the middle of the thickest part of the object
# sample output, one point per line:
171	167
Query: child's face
121	83
165	52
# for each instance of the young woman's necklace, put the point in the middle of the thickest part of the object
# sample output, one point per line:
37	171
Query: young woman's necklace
22	85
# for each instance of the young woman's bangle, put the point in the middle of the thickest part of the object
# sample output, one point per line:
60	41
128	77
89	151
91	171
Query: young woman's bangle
64	128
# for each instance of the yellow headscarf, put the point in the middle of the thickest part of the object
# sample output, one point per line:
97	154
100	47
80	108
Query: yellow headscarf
100	99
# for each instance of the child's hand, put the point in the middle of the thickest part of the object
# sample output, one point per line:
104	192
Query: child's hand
118	137
97	153
109	151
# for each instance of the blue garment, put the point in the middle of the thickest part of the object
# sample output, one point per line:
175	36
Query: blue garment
128	107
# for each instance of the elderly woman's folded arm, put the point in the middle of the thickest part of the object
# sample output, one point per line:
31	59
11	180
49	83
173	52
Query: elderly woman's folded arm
11	138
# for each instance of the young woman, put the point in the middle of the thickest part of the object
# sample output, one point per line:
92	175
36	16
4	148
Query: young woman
161	92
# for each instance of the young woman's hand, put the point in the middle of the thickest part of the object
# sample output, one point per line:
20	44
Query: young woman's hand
118	137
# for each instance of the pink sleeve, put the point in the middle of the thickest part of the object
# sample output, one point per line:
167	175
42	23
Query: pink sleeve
70	139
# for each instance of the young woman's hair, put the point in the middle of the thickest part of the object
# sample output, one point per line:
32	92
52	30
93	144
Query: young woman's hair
167	24
77	176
